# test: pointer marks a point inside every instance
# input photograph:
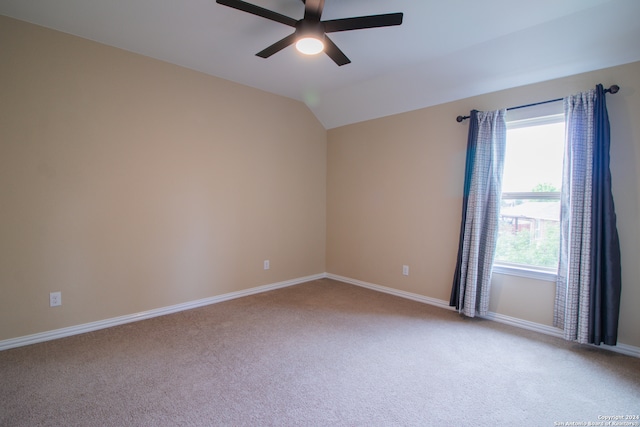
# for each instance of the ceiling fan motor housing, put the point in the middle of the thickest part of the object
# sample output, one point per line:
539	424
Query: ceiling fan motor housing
307	28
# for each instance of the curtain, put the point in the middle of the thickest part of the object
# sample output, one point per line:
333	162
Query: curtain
480	212
588	287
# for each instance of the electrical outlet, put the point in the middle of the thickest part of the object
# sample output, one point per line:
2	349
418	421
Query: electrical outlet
405	270
55	299
266	264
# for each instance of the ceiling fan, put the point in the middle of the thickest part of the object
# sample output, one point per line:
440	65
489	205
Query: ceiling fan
310	32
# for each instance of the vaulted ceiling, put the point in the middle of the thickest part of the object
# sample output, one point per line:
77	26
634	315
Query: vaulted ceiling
443	51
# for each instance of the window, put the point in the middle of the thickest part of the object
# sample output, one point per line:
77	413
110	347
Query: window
529	230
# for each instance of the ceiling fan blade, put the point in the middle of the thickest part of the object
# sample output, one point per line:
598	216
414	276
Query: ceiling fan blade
259	11
334	52
277	46
361	22
313	9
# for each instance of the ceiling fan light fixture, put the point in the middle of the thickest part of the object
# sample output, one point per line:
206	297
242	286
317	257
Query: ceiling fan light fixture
310	45
309	37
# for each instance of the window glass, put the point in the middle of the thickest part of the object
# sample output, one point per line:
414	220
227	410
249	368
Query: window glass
529	229
533	159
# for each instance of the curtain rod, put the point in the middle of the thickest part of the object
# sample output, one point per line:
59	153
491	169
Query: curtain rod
612	89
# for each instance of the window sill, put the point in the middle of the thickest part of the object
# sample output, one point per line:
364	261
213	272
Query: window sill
530	273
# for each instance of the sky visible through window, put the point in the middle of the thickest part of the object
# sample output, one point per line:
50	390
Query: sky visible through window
534	156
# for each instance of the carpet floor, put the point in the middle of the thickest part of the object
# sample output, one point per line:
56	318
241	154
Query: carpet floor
323	353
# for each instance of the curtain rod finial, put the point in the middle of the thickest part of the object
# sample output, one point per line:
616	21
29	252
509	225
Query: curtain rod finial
459	119
613	89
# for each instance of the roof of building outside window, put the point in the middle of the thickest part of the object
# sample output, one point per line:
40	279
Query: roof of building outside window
549	211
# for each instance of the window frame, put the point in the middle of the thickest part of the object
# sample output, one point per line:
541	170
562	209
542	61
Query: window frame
538	117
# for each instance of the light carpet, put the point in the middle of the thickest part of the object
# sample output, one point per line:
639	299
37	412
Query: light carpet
322	353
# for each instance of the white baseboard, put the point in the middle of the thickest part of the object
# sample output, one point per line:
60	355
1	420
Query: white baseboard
524	324
408	295
121	320
629	350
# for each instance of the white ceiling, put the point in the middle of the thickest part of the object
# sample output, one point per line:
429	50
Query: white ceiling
444	50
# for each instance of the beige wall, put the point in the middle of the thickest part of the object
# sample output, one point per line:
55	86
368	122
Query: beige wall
131	184
394	194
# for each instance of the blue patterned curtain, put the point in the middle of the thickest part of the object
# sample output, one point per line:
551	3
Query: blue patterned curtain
480	212
589	275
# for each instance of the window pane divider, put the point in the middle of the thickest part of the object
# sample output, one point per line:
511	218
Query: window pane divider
532	195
